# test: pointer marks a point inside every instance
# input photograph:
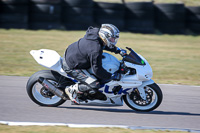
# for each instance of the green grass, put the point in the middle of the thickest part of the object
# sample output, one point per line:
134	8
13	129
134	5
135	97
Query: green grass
175	59
186	2
60	129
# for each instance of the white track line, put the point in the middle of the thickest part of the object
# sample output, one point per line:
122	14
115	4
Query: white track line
94	126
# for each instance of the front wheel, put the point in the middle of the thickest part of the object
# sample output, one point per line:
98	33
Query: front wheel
153	98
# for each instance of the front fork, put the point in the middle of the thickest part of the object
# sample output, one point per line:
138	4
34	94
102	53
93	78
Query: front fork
142	90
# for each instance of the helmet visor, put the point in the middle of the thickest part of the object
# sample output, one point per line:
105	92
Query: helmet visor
113	40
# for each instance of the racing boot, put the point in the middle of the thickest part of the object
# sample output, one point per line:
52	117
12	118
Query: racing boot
72	93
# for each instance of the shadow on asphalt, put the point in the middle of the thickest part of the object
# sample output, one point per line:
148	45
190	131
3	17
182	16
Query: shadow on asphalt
131	111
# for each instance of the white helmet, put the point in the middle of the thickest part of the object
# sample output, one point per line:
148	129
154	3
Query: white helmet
109	34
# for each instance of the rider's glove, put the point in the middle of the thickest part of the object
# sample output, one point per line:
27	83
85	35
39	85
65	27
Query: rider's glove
116	76
122	52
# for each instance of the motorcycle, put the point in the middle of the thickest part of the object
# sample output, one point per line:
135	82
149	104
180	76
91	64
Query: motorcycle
135	87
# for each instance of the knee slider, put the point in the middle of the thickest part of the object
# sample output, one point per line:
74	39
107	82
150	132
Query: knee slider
95	85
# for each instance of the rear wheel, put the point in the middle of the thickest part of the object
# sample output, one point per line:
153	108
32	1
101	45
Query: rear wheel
153	98
42	96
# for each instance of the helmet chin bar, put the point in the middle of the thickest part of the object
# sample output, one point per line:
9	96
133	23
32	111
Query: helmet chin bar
110	45
107	42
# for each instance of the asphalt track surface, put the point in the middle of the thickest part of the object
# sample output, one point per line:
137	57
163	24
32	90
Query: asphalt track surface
180	108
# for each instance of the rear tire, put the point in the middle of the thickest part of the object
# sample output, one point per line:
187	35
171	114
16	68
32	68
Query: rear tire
135	102
34	88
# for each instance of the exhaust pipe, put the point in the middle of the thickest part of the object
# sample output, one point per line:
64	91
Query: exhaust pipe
51	88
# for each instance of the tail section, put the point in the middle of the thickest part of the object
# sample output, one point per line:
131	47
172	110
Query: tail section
49	59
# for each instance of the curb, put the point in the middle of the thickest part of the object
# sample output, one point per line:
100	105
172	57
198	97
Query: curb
95	126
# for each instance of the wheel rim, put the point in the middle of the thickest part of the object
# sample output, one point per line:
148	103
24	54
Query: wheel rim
40	97
142	106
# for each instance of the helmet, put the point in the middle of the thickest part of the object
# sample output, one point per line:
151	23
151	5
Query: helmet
109	34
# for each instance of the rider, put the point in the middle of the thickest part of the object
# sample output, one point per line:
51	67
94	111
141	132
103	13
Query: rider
87	53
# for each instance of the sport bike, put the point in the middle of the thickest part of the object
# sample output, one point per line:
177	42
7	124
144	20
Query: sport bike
135	87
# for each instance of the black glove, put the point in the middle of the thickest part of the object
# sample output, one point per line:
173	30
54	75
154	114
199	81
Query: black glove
122	52
116	76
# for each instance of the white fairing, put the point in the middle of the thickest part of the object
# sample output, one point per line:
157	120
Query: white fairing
144	72
49	59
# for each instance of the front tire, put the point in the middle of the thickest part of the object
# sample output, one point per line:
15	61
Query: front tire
154	99
42	96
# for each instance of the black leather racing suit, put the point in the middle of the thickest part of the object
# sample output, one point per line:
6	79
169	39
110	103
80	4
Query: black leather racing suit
84	54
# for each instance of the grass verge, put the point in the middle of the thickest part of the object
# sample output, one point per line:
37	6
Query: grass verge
60	129
186	2
175	59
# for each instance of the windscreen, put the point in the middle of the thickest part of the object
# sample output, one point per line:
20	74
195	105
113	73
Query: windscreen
133	57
